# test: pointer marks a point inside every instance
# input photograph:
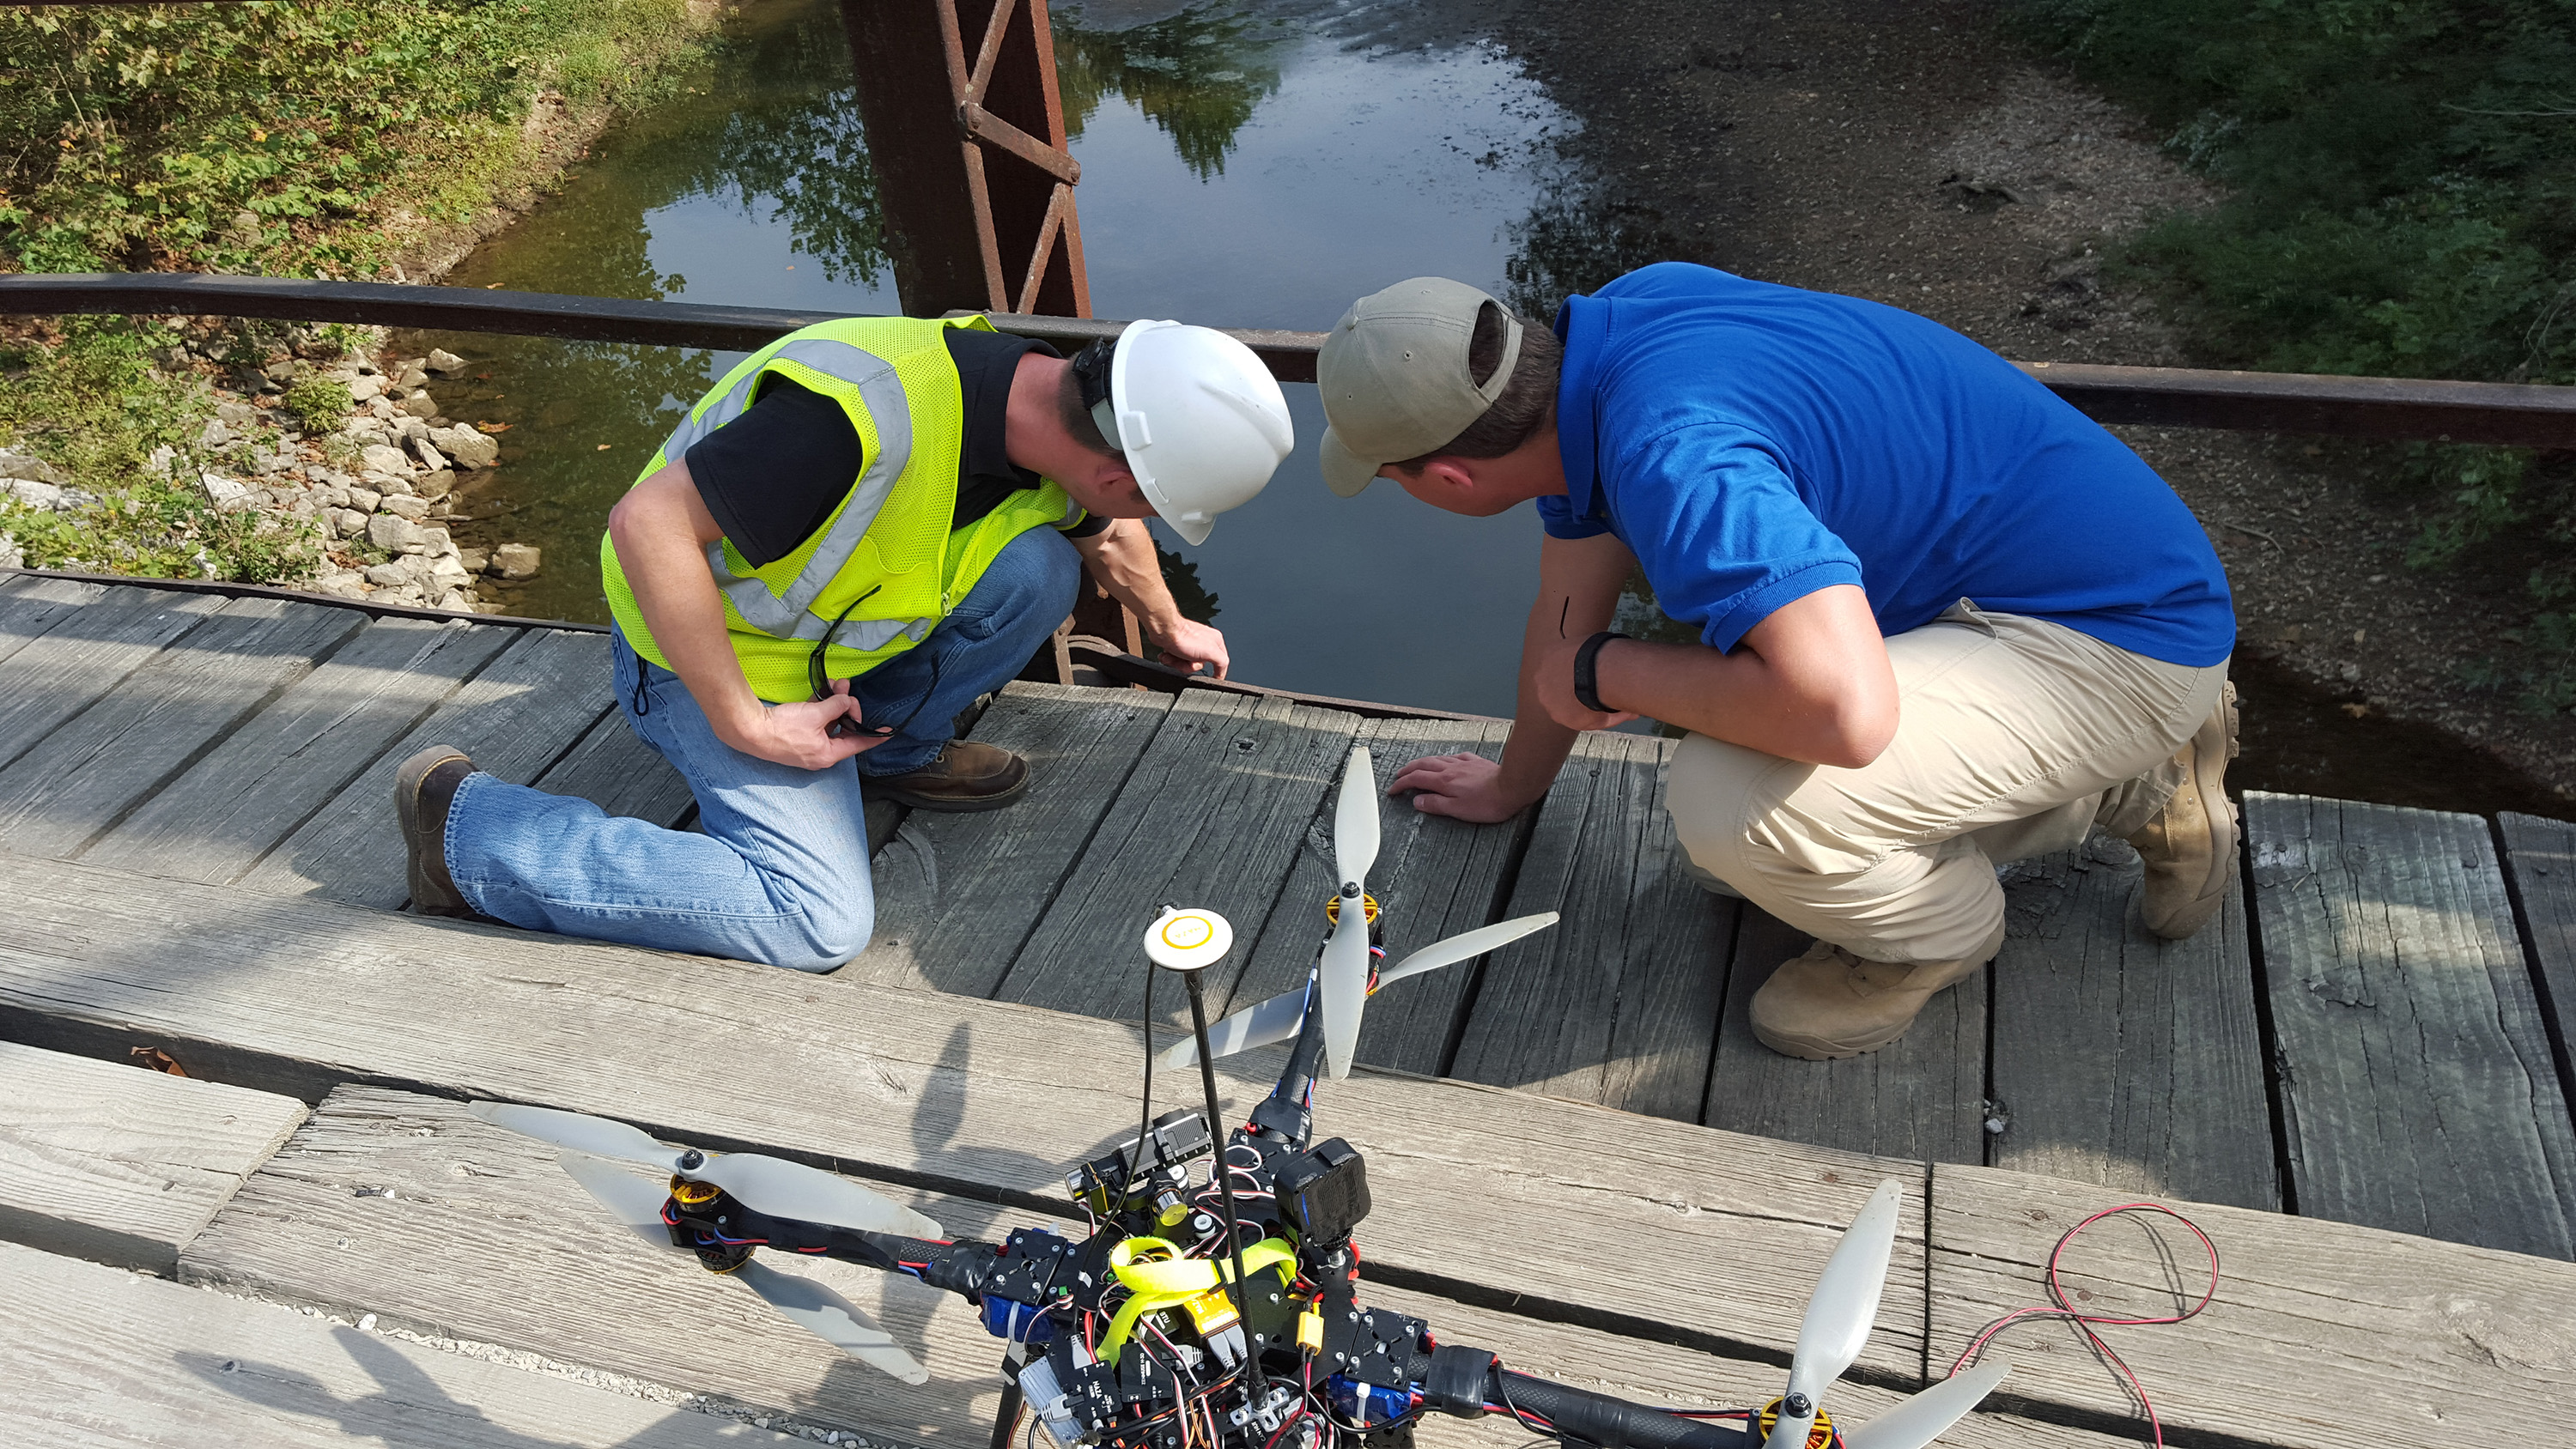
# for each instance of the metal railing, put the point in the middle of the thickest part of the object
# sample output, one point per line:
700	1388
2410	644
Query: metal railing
2370	407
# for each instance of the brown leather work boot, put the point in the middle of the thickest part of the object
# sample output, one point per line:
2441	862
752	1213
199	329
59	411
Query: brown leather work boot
423	789
2190	847
1830	1004
965	776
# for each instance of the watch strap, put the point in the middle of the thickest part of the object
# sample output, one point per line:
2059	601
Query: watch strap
1587	659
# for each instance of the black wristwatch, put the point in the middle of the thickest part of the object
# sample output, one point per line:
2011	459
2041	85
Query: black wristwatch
1586	659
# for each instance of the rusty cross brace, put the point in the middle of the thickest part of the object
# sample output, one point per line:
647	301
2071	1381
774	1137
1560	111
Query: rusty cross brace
973	174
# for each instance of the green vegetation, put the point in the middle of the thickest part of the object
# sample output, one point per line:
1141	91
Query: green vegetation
315	139
93	404
292	139
2400	200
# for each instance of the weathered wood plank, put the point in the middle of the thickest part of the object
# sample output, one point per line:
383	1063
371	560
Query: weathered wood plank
1921	1095
957	894
986	1097
2417	1084
102	1359
2540	865
120	1164
1619	1003
1212	815
515	718
31	606
2121	1058
81	779
62	671
614	770
276	769
2323	1336
1434	878
373	1206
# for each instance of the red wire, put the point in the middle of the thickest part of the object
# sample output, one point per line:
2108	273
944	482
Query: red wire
2084	1322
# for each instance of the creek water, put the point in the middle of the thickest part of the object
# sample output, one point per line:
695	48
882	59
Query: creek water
1242	166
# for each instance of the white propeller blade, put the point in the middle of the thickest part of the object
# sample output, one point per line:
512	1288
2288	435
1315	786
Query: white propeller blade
1921	1419
1840	1314
771	1185
1259	1025
1465	946
784	1189
832	1318
628	1198
1355	832
597	1136
1341	987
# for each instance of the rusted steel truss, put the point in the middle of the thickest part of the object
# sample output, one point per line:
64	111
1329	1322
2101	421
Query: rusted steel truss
974	179
2367	407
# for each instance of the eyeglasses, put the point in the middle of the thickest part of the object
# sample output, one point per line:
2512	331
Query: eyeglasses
845	726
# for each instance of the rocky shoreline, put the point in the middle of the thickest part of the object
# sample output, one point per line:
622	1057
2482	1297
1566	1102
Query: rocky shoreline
373	493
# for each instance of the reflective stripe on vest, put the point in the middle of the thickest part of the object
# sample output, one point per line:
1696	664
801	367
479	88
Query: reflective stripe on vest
789	615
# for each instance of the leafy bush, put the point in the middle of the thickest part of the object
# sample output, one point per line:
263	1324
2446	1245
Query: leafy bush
93	404
318	401
2401	201
307	139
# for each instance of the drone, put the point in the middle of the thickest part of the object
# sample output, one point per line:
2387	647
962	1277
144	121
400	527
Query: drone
1216	1306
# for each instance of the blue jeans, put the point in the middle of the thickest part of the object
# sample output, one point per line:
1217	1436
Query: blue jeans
781	873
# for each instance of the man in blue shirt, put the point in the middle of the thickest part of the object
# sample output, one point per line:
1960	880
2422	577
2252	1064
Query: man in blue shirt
1944	619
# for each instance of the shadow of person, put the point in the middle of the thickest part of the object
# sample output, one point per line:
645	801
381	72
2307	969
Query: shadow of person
409	1407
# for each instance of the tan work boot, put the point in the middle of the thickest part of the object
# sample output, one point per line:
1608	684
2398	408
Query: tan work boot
1830	1004
2190	847
965	776
423	789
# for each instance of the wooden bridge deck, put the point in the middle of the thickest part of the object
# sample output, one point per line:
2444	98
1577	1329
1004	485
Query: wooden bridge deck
197	856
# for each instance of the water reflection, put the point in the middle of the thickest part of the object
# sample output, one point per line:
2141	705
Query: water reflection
1196	75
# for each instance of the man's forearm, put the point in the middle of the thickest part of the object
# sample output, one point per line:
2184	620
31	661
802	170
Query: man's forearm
677	596
1811	682
1123	560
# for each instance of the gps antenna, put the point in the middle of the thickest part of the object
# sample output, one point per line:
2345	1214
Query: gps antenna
1186	942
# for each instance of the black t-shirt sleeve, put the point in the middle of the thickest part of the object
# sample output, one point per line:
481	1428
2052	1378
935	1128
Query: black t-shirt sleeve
772	476
1091	523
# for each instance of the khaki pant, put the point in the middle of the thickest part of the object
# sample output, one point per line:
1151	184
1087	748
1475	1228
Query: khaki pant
2017	737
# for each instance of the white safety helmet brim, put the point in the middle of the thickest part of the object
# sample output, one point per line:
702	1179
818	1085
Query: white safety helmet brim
1201	421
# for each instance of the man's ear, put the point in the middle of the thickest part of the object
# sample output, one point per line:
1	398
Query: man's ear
1450	480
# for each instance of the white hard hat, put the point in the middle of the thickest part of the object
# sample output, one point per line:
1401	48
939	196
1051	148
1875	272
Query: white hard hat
1201	421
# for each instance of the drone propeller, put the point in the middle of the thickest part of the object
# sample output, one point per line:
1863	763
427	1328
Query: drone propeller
1465	946
770	1185
597	1136
1839	1315
808	1304
628	1198
1257	1025
1341	986
1921	1419
1278	1018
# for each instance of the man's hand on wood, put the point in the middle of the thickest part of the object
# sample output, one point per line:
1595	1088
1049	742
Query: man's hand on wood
1461	786
1187	644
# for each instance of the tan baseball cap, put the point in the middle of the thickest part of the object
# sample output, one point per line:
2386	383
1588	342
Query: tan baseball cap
1395	380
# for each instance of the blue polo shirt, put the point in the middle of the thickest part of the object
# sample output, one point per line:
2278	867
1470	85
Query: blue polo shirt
1752	444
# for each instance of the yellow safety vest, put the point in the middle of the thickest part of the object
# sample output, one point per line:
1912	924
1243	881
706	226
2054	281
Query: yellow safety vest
895	378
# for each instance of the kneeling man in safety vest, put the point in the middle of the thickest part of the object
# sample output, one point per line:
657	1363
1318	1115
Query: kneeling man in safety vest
1936	617
862	528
